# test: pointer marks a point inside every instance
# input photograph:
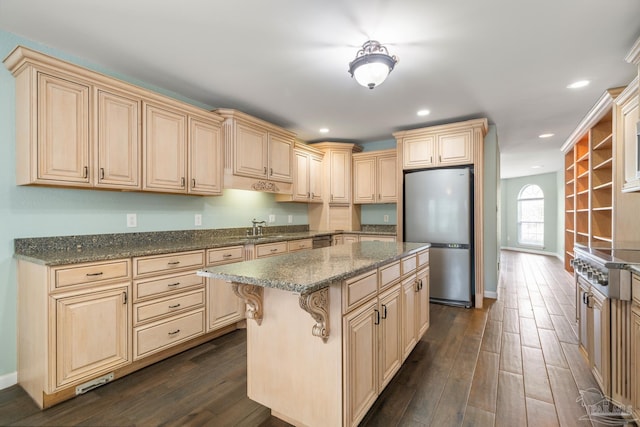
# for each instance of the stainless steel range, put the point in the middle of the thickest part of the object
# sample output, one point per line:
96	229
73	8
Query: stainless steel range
607	269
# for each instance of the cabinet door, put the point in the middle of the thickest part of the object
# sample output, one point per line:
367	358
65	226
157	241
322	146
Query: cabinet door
635	360
205	157
390	336
340	176
63	131
600	357
387	179
301	172
583	330
280	158
409	333
364	180
455	148
251	151
418	152
119	141
360	361
223	305
315	178
165	150
422	303
92	334
350	238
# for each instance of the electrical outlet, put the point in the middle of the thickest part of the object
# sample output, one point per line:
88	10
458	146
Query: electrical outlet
272	218
198	219
132	220
386	218
290	219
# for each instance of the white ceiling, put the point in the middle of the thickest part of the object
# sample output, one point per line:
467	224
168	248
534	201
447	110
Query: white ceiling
286	60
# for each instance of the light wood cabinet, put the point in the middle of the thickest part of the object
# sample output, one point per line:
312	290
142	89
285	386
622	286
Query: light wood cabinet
307	176
92	333
375	177
299	245
376	238
73	325
223	305
390	338
165	149
409	331
628	126
635	361
118	140
340	176
594	333
172	310
422	302
258	154
79	128
437	146
205	157
264	250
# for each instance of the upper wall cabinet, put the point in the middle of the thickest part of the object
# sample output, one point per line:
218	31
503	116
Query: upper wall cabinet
258	155
436	146
79	128
307	176
375	177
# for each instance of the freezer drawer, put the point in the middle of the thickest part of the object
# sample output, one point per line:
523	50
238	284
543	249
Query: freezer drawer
450	275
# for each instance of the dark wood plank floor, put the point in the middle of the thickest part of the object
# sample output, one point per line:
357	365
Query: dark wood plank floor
514	363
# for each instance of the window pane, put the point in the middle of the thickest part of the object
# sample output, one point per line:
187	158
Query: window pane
531	216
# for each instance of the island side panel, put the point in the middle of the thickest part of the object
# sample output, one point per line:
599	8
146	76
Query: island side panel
295	374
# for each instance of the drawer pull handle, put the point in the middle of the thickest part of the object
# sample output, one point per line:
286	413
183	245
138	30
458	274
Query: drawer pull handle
227	255
174	306
174	332
173	284
85	172
101	173
274	250
173	263
377	320
94	274
193	182
384	311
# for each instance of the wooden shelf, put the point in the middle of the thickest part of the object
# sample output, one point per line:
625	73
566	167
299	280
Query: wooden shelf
583	174
603	239
606	163
605	186
583	192
585	156
604	208
606	143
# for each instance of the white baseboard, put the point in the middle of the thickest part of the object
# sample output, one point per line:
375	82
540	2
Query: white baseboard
8	380
530	251
491	294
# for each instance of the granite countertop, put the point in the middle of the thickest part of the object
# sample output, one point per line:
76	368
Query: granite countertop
64	250
635	268
308	271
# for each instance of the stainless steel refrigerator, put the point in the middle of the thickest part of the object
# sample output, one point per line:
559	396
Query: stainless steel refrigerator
438	209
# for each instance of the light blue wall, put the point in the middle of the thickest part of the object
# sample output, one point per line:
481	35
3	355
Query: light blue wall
510	188
39	211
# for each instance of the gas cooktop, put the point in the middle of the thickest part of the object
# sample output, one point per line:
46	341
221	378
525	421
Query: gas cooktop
622	253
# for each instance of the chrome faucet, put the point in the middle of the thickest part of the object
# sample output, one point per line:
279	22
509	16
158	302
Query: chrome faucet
256	229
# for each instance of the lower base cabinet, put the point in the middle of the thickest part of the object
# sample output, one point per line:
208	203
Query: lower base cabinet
223	305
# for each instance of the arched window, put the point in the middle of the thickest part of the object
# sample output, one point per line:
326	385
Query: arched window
531	216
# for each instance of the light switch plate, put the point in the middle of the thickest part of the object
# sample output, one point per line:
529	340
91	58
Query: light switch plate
198	219
272	218
386	218
290	219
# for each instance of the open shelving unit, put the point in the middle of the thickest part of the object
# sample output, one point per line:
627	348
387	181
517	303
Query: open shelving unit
588	177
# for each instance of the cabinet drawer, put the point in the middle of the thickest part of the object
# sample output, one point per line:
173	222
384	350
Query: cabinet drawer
90	273
359	289
364	238
423	258
409	264
157	308
270	249
635	288
225	255
157	336
145	266
389	274
298	245
165	285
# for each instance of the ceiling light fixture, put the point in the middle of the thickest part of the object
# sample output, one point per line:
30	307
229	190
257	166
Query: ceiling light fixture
372	64
423	112
546	135
578	84
323	130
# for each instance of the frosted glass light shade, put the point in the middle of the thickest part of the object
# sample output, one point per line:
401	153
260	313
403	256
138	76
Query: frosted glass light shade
372	64
371	74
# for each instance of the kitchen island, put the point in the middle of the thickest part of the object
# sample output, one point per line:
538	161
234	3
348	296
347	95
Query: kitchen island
328	328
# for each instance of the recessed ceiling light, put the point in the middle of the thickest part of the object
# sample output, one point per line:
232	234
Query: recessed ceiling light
578	84
536	166
423	112
546	135
324	130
